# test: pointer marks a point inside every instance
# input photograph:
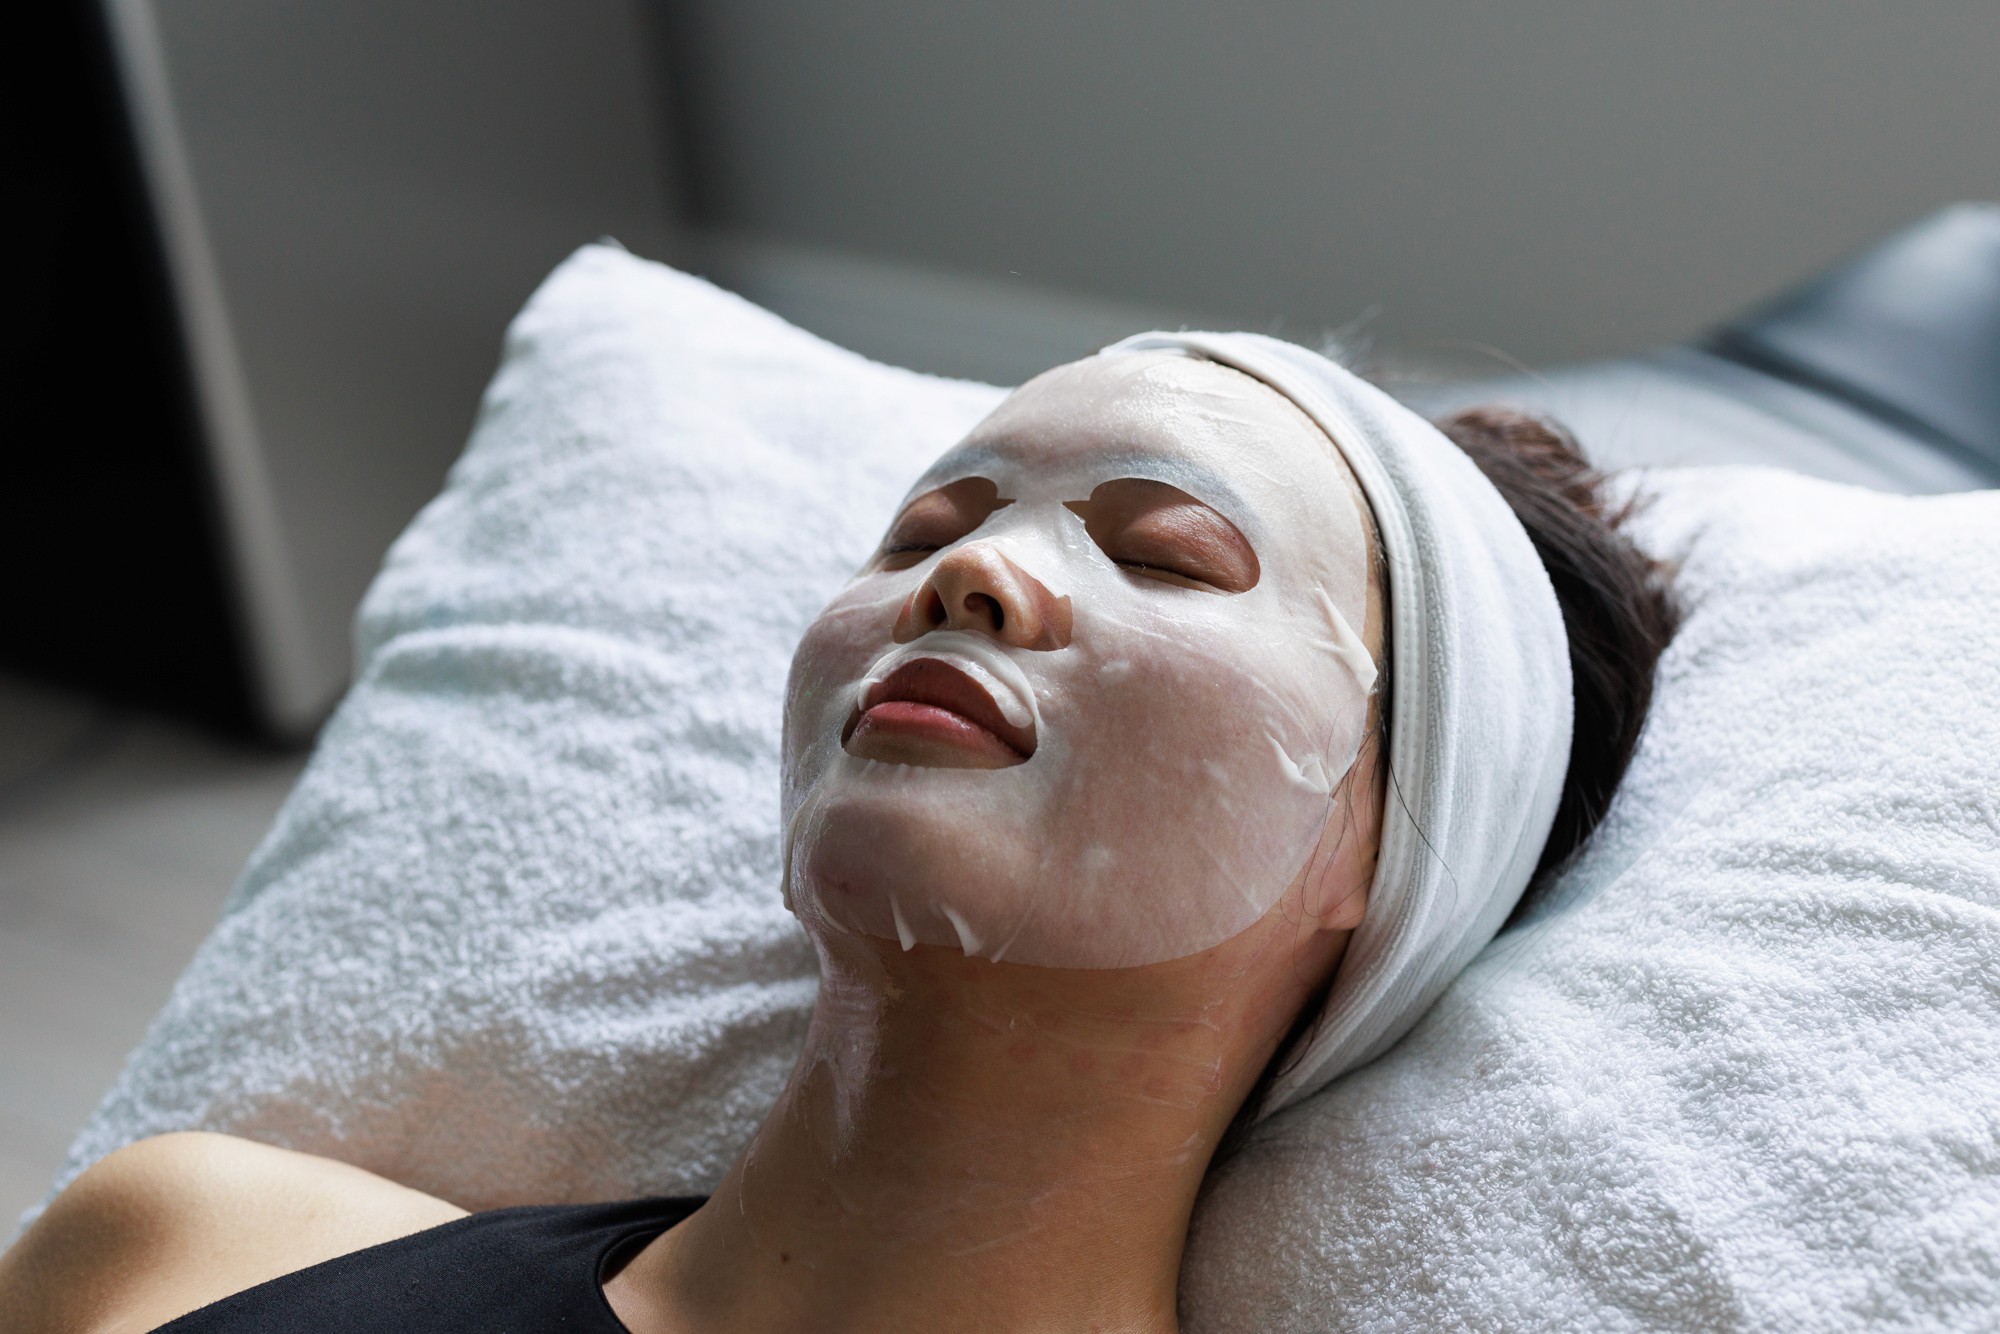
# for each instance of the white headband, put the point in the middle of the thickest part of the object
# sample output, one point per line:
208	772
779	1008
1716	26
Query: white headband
1480	707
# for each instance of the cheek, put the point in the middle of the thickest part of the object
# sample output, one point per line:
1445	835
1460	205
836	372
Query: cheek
1238	726
1146	707
1200	757
835	651
1175	683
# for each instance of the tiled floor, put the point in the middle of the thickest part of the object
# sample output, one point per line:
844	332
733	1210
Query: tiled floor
120	836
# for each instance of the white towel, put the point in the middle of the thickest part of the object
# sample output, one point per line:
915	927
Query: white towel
1743	1071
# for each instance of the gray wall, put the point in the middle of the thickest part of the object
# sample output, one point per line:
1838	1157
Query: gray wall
1551	177
356	198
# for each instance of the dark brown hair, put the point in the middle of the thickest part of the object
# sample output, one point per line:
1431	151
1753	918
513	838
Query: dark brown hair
1618	612
1617	602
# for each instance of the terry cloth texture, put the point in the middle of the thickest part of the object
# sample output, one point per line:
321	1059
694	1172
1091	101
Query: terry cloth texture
516	936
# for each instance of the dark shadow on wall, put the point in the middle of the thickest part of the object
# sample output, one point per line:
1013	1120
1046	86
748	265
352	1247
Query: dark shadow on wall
115	579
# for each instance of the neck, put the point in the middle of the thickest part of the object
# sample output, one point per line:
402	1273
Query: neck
970	1145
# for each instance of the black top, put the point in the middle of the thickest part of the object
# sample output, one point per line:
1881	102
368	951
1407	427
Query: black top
506	1271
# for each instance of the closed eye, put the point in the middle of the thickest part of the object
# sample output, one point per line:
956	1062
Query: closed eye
1156	531
936	519
1166	574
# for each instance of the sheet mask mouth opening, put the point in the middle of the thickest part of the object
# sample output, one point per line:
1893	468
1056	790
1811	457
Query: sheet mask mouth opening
929	711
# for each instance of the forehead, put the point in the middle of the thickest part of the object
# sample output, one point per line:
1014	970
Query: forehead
1158	414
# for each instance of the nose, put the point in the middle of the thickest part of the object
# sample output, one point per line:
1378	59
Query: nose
974	587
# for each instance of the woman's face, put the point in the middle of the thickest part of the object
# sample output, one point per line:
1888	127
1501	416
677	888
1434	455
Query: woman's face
1090	703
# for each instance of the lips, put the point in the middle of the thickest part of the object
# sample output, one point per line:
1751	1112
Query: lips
928	711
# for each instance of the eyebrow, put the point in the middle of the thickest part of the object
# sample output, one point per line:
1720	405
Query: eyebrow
965	462
1197	479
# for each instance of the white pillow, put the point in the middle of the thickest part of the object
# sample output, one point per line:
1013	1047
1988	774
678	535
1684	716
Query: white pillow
516	936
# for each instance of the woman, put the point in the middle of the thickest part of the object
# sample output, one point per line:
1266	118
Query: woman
1114	834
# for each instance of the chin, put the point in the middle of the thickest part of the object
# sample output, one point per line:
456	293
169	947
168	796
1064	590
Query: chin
863	854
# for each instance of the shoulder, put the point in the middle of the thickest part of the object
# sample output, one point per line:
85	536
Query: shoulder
175	1222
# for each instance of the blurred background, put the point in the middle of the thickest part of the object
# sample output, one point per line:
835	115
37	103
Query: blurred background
269	252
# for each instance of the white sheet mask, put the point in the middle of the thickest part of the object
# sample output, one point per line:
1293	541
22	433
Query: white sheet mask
1188	743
